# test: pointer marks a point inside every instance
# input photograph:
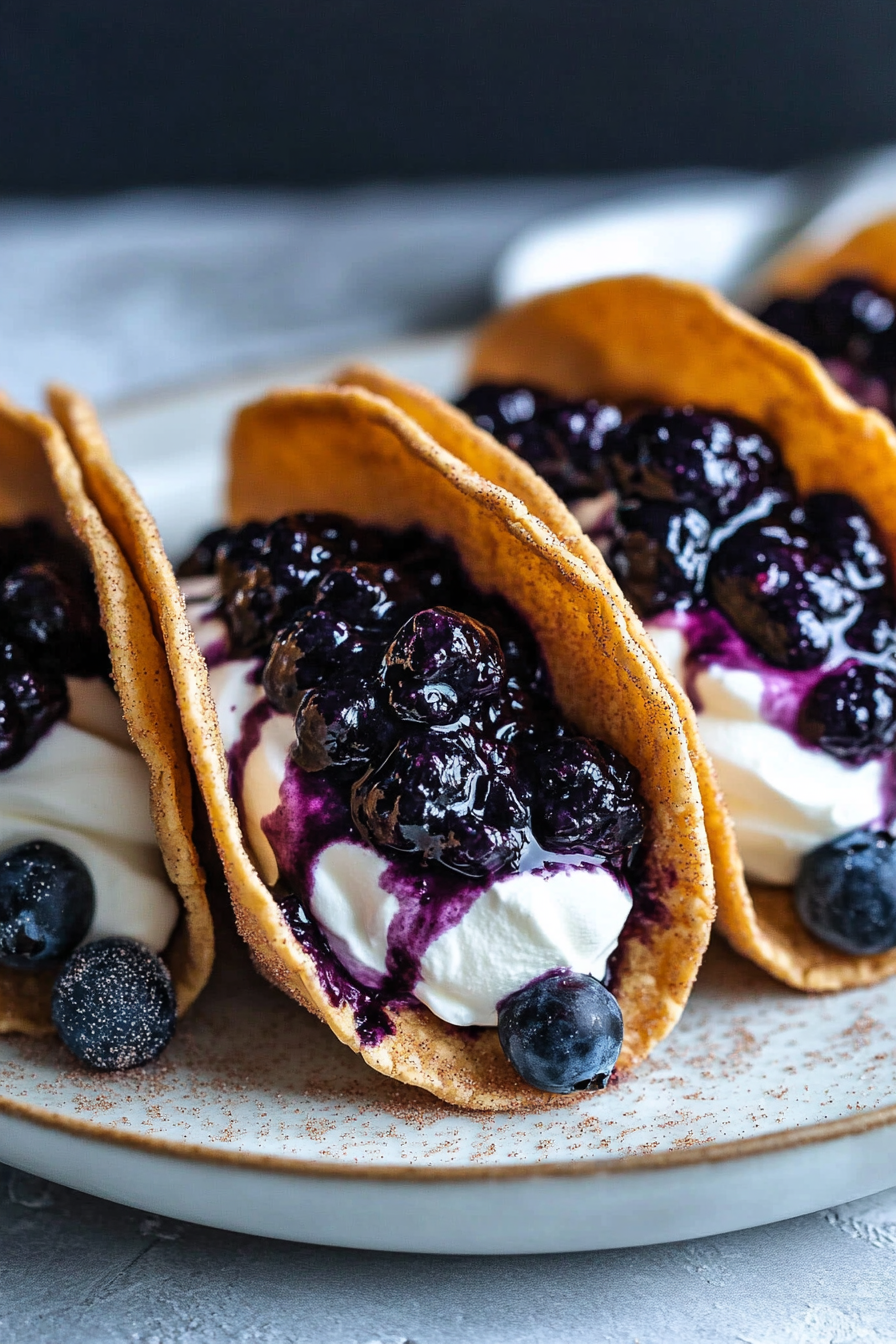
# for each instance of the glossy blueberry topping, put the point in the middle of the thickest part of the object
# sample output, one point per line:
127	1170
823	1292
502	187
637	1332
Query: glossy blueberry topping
777	592
53	615
47	902
562	1032
30	703
585	799
846	893
114	1004
446	797
343	725
440	662
562	440
660	553
851	325
695	458
309	650
851	713
843	531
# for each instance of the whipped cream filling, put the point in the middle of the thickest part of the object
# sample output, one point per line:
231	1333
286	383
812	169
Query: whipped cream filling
85	786
511	930
785	798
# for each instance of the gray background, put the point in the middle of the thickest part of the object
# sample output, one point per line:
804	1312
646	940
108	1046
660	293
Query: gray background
128	292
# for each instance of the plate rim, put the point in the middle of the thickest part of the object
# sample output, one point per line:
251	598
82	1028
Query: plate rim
712	1153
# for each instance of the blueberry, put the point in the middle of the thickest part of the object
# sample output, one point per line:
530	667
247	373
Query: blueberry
851	713
843	530
585	799
311	649
660	554
850	315
54	616
777	592
201	559
346	725
46	903
845	892
501	409
874	629
30	703
114	1004
439	664
794	318
268	573
368	596
448	798
562	1032
696	459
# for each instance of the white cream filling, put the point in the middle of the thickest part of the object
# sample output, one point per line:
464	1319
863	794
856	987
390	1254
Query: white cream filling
85	786
517	928
785	799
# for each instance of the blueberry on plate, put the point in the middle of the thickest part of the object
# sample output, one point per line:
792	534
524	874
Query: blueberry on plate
439	664
114	1004
851	713
47	901
585	799
845	892
660	554
562	1032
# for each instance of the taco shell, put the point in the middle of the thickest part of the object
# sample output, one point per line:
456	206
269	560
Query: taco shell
39	476
349	451
802	270
638	339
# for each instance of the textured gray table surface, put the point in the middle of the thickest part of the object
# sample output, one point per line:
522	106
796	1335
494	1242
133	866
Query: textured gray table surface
118	296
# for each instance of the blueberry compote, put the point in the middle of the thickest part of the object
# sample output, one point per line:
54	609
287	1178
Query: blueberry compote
851	326
715	548
420	743
49	630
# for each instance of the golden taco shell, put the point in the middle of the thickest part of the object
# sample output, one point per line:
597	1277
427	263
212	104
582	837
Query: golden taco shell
637	339
347	451
39	476
802	270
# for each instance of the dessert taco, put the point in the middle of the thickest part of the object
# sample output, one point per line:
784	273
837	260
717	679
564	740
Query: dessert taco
98	871
449	789
840	302
748	509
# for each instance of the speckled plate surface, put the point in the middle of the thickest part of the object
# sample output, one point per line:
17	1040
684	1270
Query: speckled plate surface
762	1104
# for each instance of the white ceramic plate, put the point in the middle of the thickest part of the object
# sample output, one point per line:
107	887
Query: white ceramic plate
763	1103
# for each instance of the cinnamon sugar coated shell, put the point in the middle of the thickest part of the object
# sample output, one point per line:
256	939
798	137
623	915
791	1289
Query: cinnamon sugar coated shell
349	451
637	339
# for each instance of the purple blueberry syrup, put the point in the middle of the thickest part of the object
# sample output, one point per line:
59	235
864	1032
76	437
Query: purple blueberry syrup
423	718
851	326
49	629
711	537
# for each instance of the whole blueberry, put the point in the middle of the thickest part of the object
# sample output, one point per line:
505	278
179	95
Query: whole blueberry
114	1004
845	892
47	902
309	650
660	554
369	596
447	798
794	318
697	459
851	713
585	799
343	725
439	664
762	579
850	314
501	408
874	629
844	531
30	703
562	1032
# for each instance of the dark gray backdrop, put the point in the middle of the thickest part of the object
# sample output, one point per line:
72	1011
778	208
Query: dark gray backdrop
111	93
